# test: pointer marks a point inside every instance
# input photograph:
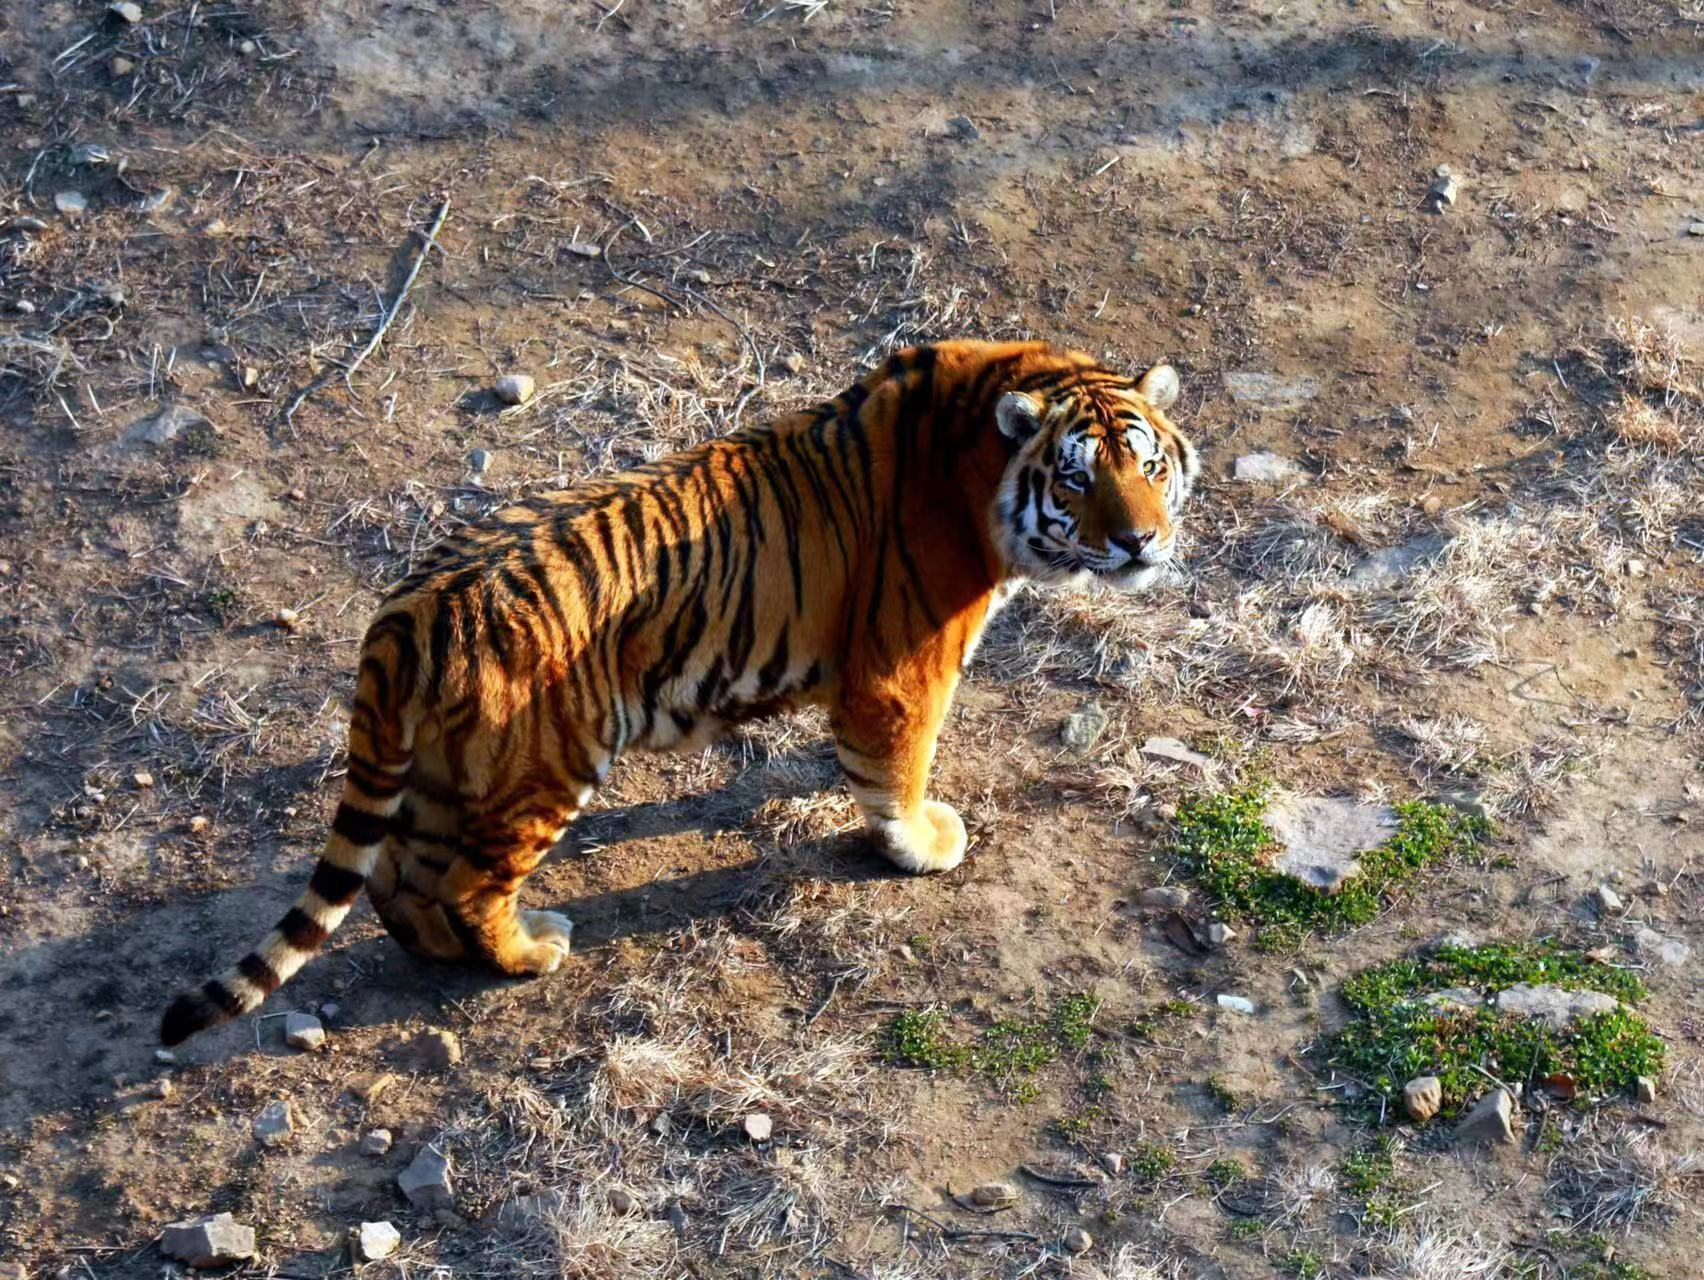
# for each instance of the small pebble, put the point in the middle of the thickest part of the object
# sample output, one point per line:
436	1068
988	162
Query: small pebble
1635	568
1421	1097
162	1089
214	227
793	363
376	1240
621	1200
1695	229
287	618
964	127
303	1031
275	1124
142	778
1645	1089
73	204
1445	190
1608	900
121	66
480	461
583	249
1165	896
248	48
1218	933
165	1055
514	388
759	1127
376	1142
1113	1163
1078	1241
1236	1004
994	1194
128	11
199	824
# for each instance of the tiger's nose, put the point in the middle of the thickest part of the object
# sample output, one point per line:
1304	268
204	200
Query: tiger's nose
1131	544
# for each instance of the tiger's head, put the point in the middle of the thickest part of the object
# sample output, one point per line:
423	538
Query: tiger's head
1097	478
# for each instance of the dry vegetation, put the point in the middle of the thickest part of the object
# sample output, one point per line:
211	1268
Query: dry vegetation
1486	586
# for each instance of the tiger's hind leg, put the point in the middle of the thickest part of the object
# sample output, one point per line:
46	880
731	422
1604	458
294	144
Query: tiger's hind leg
499	850
406	884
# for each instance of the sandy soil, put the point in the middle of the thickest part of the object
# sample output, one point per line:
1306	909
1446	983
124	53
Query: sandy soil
780	194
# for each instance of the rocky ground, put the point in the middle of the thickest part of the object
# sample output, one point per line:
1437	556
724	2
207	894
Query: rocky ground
1431	274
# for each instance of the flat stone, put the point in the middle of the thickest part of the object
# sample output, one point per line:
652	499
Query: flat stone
1554	1005
370	1086
426	1182
1645	1089
1078	1241
479	461
376	1142
1323	838
275	1123
1236	1004
1175	751
376	1240
1169	896
303	1031
1268	468
992	1195
1388	566
211	1240
1664	950
1218	933
621	1200
525	1212
583	248
1421	1098
1608	900
1444	191
432	1050
963	127
1269	391
73	204
1454	998
759	1127
1490	1121
1083	727
164	425
1113	1163
128	11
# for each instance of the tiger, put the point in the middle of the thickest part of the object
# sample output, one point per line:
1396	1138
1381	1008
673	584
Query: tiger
847	556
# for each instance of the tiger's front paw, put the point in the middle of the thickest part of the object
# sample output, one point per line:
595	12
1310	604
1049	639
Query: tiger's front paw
550	936
933	840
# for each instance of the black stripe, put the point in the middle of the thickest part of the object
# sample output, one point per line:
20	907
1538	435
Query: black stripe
301	930
358	826
222	998
337	885
257	971
857	779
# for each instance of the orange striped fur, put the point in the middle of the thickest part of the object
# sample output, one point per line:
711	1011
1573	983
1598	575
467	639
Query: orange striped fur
848	556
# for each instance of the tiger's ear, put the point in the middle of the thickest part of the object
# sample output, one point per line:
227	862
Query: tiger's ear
1159	386
1019	415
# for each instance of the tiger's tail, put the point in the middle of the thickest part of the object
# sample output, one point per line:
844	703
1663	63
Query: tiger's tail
380	754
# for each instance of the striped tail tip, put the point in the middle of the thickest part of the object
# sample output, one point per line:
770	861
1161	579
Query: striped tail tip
195	1011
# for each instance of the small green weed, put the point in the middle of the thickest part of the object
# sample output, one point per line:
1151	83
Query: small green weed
1304	1264
1150	1161
1168	1011
1395	1036
1009	1053
1247	1229
1222	1093
1368	1174
1224	843
1225	1173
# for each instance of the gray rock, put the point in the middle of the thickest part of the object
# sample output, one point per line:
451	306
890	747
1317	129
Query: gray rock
1083	727
376	1240
275	1124
164	425
514	388
1173	750
1388	566
1554	1005
759	1127
1218	933
525	1212
303	1031
1458	939
621	1200
1608	900
1113	1163
1268	468
1078	1241
1695	228
376	1142
128	11
1645	1089
1444	191
1421	1098
1490	1121
1322	838
212	1240
480	461
1468	801
91	153
1237	1004
1169	896
679	1219
73	204
1270	392
1664	950
963	127
583	248
426	1182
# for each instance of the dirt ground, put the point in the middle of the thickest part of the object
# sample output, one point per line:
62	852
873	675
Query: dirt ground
675	215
